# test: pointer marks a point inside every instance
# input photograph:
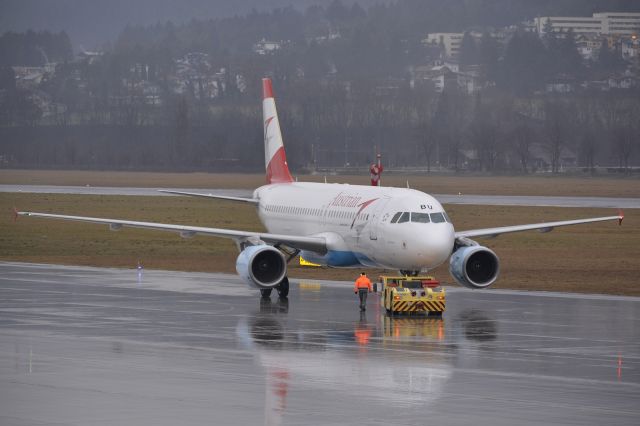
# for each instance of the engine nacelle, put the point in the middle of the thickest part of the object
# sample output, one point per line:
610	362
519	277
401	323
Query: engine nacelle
474	266
261	266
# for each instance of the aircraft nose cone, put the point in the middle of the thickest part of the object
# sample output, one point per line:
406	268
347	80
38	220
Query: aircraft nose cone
437	244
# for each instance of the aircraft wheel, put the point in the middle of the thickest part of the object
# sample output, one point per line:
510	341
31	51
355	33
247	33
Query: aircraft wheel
265	292
283	287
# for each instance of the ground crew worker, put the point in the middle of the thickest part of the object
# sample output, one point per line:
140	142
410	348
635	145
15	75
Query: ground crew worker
362	287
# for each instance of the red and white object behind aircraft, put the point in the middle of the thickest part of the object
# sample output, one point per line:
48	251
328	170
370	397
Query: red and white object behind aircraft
341	225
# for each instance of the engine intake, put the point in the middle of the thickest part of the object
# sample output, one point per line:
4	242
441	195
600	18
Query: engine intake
261	266
474	266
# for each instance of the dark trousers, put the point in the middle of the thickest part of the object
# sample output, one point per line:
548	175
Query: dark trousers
362	294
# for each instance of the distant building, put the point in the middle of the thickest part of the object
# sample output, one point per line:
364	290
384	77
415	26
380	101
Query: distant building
631	48
440	77
600	23
443	75
450	42
560	84
152	93
31	77
619	23
331	36
588	46
241	83
625	82
89	57
469	82
264	47
540	158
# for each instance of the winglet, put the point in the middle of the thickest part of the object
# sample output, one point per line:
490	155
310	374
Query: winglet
15	214
620	217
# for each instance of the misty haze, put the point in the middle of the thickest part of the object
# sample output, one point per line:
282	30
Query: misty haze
492	86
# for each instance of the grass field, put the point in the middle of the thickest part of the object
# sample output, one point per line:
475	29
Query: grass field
596	258
433	184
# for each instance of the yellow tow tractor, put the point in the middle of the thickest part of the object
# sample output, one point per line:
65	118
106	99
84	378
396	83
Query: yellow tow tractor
411	295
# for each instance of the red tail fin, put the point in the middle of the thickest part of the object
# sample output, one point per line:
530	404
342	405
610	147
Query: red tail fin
275	158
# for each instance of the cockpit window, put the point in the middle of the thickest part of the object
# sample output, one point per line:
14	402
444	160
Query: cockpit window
404	218
420	217
446	217
437	217
396	217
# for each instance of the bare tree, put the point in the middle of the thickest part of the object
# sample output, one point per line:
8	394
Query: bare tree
555	133
621	123
483	135
588	150
180	151
588	126
450	121
523	137
623	144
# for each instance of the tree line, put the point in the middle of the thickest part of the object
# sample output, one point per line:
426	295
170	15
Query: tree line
324	127
339	99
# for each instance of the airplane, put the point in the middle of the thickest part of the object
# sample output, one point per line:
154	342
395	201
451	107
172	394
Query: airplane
342	225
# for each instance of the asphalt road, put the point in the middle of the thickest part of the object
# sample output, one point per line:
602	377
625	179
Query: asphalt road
93	346
500	200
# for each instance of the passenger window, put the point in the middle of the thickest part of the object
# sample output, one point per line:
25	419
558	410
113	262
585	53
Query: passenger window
437	218
404	218
420	217
395	217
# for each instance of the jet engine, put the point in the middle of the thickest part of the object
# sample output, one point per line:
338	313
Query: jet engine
261	266
474	266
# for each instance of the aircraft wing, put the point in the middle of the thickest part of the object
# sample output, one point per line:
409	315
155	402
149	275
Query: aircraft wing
220	197
542	227
315	244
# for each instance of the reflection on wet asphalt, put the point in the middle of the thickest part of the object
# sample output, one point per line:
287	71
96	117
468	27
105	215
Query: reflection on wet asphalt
109	346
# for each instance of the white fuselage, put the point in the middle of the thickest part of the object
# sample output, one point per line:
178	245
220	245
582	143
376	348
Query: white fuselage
357	223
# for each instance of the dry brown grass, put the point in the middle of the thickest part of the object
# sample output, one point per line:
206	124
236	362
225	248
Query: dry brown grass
434	184
596	258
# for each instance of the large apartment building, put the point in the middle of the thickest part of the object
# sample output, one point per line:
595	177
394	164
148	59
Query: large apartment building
608	23
450	41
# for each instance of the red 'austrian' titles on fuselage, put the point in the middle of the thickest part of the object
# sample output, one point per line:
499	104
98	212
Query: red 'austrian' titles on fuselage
345	201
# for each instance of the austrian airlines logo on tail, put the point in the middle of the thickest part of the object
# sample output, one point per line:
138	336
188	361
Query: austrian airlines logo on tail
275	158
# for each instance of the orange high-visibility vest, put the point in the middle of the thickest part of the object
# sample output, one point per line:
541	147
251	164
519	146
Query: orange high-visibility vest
363	282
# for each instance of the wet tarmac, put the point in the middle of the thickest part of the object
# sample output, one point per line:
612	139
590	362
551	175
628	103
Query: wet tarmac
89	346
496	200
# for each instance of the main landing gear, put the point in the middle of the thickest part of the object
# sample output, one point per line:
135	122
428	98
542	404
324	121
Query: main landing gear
282	288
